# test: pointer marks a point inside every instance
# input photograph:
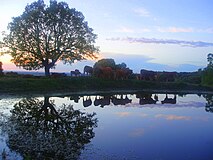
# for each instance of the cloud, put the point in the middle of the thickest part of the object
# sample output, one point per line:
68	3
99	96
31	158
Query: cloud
138	62
144	30
125	30
176	30
187	67
172	117
208	30
182	43
183	30
142	12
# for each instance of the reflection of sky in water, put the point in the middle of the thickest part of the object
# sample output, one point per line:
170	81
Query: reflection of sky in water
6	104
151	131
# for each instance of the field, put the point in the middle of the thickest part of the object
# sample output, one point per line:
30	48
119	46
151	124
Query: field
72	84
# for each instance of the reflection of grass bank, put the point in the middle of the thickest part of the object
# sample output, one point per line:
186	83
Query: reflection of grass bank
69	84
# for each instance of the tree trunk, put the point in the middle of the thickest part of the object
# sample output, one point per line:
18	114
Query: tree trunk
47	70
46	101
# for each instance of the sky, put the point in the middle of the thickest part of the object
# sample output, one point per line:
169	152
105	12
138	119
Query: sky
158	35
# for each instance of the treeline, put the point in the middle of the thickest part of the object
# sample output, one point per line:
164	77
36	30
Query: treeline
108	69
103	68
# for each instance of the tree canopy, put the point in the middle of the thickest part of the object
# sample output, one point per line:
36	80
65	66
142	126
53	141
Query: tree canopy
108	62
43	35
121	65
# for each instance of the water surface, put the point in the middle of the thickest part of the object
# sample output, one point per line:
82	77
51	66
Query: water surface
108	126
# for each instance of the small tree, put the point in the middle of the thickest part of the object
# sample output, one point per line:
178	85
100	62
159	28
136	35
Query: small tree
43	35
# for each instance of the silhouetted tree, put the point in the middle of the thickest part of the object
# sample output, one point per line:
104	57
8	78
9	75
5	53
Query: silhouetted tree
43	35
37	130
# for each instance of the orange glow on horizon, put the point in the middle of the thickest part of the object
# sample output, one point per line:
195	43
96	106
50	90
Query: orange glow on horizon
97	56
100	56
6	59
6	62
7	65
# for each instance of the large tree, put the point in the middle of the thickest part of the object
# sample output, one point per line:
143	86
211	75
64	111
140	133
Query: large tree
43	35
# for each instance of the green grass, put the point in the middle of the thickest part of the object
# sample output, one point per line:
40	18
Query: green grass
70	84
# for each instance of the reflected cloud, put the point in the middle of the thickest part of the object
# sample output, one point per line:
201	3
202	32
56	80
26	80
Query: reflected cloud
191	104
172	117
123	114
203	118
137	132
143	115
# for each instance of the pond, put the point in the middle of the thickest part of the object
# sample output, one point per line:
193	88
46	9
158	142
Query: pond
130	126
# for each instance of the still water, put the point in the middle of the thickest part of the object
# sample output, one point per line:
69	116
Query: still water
133	126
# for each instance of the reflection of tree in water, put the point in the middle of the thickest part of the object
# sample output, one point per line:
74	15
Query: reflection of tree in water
209	102
38	131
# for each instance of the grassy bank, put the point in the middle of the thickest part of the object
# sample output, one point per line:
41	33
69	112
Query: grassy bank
72	84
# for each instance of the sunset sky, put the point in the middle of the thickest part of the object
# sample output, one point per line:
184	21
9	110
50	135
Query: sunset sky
171	35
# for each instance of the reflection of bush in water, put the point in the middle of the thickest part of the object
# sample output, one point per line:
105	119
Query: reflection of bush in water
38	131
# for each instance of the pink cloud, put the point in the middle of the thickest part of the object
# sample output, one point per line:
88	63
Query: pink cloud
144	40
